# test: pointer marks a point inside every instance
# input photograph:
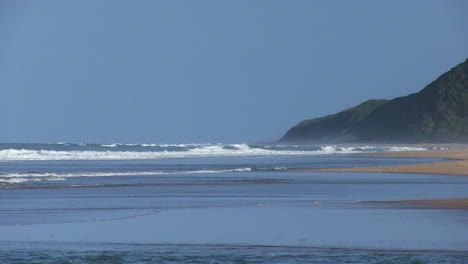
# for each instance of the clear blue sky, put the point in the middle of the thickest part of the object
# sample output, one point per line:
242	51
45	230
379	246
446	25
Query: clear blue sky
211	71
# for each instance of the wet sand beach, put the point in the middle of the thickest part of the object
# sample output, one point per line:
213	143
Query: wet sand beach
457	165
460	203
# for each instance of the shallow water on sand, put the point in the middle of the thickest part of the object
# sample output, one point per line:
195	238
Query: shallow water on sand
225	210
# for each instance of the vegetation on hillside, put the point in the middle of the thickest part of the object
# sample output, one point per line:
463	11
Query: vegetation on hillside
438	113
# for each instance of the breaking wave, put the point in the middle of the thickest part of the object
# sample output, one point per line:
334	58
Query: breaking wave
15	178
105	174
117	151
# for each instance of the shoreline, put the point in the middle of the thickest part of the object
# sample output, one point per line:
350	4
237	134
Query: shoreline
456	203
457	165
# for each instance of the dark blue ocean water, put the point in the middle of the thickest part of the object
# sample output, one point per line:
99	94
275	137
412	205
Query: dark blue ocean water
143	254
220	203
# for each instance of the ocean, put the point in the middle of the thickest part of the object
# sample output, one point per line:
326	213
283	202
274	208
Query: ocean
221	203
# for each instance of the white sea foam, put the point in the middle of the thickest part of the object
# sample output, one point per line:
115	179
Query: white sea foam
397	148
62	176
14	180
110	145
113	145
61	143
216	171
191	151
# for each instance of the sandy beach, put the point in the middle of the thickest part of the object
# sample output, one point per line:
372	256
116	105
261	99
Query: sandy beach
457	164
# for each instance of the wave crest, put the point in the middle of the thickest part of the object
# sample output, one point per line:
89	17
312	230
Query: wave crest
168	151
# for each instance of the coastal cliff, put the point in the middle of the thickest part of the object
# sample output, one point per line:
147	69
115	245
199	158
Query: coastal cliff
438	113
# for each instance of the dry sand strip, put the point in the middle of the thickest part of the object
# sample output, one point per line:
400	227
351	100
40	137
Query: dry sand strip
460	203
459	165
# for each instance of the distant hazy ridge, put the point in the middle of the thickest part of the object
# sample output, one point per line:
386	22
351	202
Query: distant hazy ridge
438	113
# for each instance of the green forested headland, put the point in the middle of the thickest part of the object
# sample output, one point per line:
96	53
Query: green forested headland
438	113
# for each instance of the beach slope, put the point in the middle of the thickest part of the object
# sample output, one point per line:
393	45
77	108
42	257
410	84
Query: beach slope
457	164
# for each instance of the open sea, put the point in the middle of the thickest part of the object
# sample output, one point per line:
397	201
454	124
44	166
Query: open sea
221	203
